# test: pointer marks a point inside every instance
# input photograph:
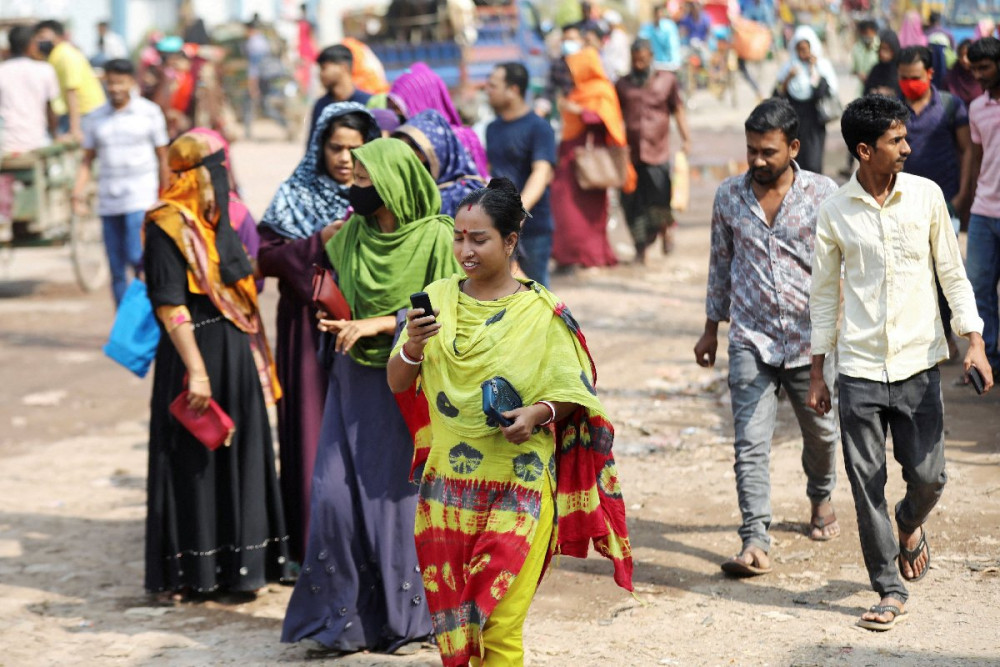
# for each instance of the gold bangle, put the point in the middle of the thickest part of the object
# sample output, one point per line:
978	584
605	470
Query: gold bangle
199	378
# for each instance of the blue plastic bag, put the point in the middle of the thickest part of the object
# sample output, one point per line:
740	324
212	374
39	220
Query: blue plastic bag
135	333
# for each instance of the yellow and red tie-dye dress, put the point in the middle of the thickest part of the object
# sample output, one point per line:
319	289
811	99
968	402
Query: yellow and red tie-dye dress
480	495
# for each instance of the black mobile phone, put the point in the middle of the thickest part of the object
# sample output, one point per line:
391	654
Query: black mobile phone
421	300
976	378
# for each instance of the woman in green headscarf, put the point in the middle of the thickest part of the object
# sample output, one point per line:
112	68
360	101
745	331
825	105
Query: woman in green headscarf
360	586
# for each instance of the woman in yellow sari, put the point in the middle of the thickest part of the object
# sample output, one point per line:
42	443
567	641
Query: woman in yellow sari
490	494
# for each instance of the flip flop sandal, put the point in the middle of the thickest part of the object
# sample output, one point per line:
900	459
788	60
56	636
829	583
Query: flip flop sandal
821	522
737	567
911	556
898	616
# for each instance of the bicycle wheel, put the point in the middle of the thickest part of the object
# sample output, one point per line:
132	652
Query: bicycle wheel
87	251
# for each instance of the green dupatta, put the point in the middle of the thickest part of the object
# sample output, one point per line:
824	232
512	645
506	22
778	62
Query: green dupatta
377	272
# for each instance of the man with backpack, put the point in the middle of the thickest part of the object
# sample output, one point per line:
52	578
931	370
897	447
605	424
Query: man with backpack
938	134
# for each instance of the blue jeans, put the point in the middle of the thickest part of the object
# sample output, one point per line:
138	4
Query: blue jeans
983	267
753	389
533	255
123	243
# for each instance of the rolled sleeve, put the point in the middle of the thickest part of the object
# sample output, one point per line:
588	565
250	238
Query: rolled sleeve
824	296
951	274
719	298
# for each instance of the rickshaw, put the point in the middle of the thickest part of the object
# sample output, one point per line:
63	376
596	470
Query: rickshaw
36	209
712	65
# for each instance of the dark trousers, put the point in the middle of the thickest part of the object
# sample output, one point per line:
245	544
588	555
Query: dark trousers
912	410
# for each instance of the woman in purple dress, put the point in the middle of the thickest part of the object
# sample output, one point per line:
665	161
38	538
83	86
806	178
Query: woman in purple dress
360	587
305	212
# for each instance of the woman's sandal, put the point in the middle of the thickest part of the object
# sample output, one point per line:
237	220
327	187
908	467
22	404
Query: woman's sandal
911	556
898	616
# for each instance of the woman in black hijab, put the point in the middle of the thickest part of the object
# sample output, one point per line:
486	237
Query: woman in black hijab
884	77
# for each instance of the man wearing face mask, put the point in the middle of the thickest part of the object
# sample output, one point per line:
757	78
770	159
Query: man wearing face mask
560	79
864	53
938	134
81	90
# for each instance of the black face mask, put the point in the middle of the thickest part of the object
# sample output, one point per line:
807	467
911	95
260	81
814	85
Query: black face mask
365	201
45	47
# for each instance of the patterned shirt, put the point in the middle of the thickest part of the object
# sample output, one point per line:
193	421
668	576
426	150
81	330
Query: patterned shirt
759	275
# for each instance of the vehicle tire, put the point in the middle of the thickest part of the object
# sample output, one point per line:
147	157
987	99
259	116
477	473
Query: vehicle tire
86	240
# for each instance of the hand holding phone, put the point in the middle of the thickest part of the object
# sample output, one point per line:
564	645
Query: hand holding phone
422	301
420	333
976	378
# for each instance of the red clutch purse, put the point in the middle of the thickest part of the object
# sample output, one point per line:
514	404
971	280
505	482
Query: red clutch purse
326	296
213	427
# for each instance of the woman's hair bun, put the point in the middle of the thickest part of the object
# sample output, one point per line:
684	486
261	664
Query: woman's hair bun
501	200
503	184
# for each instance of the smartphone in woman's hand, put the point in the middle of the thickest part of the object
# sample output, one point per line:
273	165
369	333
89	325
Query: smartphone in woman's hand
421	300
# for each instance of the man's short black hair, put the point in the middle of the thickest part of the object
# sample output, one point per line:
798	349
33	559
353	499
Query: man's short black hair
774	114
641	44
987	48
867	25
868	118
51	24
934	18
119	66
912	54
19	39
515	74
102	24
338	53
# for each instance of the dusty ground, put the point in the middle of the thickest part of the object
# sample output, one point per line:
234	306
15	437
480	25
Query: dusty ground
72	497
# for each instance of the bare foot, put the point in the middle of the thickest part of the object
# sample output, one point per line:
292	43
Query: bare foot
913	569
823	525
885	616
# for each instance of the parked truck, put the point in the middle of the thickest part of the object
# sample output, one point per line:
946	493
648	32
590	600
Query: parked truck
462	40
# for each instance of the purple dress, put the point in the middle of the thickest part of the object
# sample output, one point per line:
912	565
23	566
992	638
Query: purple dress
361	587
302	378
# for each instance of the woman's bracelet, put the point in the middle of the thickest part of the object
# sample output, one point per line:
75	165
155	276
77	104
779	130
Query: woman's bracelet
552	409
198	378
405	357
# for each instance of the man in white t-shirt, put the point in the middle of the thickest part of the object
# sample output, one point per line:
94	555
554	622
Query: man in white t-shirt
27	90
128	136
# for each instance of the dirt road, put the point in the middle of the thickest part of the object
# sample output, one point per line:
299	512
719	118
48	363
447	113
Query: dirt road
72	499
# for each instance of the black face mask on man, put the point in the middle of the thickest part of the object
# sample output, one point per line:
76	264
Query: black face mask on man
365	201
45	47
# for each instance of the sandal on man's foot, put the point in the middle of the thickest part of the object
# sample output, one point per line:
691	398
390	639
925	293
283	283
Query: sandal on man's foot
820	523
738	567
898	616
911	556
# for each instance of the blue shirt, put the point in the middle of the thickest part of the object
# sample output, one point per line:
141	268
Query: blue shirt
931	135
511	147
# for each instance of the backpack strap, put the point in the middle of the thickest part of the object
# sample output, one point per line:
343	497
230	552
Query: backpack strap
950	107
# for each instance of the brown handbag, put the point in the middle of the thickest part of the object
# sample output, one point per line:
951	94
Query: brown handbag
326	296
600	167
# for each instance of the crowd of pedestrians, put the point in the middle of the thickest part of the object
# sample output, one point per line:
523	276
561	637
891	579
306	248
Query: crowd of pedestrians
402	512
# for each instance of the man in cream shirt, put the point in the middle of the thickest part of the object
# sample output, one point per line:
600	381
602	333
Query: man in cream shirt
891	231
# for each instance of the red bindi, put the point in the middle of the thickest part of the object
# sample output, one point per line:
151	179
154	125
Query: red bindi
470	208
